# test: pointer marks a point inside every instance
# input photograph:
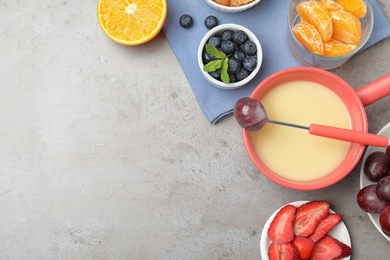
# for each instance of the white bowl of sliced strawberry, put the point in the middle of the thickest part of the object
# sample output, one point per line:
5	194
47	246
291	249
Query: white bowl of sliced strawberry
305	230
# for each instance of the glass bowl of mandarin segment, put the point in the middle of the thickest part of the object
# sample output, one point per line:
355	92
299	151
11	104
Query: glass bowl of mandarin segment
327	33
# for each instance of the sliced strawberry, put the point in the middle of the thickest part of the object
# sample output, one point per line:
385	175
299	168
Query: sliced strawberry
281	229
325	226
327	248
308	216
347	250
286	251
304	246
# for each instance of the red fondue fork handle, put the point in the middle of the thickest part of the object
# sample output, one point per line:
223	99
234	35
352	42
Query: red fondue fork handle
349	135
342	134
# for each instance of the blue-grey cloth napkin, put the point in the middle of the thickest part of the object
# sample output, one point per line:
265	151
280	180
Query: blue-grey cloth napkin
267	20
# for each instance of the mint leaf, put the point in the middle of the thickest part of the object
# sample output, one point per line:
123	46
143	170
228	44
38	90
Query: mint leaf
224	71
213	51
221	62
212	65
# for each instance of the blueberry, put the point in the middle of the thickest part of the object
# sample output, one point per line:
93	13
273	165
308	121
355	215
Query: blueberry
232	78
249	63
239	55
227	35
216	74
234	65
207	57
186	21
240	37
236	47
227	47
242	74
249	47
251	56
210	22
215	41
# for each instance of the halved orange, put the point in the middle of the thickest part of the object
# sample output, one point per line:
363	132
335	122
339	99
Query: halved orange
346	27
132	22
308	35
356	7
317	15
335	48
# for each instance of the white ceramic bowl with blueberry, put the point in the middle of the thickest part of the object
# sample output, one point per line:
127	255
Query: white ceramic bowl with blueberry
239	6
229	56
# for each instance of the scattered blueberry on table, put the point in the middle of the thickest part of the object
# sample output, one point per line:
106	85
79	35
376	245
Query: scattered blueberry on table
186	21
210	22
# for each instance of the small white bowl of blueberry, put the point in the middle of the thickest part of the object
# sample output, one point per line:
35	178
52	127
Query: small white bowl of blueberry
229	56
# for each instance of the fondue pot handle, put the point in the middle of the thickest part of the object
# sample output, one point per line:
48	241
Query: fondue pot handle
374	91
349	135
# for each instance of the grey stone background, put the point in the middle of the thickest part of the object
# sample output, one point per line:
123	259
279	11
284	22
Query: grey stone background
105	153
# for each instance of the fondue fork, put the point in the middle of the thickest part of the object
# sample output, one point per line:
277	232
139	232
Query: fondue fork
252	116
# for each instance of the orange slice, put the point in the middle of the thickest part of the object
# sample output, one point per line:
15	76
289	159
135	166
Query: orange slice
346	27
132	22
307	35
317	15
356	7
331	5
335	48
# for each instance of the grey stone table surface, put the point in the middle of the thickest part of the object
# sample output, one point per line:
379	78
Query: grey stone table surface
105	153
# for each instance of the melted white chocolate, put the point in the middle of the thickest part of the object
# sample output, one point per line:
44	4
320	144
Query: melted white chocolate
294	153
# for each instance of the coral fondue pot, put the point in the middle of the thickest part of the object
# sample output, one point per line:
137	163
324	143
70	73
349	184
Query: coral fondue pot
353	103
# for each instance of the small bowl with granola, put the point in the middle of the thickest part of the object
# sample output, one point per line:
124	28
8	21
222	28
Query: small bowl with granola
231	6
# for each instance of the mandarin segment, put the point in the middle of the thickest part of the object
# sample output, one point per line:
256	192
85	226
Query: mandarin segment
132	22
333	48
356	7
331	5
345	31
346	27
317	15
307	35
